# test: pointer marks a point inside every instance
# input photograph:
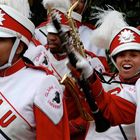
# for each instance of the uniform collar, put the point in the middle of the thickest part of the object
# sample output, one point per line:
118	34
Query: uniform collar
14	68
60	57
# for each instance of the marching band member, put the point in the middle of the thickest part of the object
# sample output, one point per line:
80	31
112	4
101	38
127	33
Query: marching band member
31	98
57	59
84	29
121	107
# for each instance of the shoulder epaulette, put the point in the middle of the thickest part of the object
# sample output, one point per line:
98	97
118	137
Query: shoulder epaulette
42	68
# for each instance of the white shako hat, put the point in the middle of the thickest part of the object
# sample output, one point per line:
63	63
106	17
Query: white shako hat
128	38
60	9
14	24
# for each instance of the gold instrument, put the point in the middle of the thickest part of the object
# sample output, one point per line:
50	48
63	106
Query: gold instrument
69	82
77	44
80	101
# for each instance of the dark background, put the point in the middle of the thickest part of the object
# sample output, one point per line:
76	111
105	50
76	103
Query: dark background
131	8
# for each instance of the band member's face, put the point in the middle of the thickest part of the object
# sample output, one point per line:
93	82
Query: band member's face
79	7
128	63
54	43
5	49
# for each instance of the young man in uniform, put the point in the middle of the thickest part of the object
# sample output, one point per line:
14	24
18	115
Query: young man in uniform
57	61
31	99
84	29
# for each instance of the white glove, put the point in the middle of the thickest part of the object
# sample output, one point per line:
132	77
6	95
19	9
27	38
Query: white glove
84	65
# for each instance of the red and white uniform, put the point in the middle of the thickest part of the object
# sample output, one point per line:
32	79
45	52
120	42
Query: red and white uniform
58	63
119	109
114	132
31	105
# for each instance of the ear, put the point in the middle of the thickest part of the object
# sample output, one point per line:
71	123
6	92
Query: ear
20	48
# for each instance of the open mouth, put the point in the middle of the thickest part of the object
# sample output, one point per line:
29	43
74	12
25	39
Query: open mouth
127	66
